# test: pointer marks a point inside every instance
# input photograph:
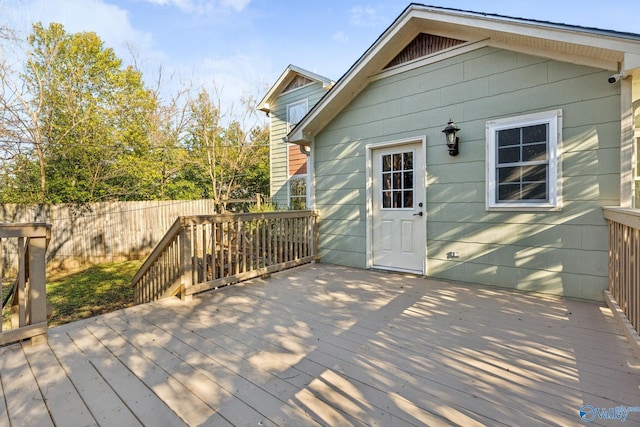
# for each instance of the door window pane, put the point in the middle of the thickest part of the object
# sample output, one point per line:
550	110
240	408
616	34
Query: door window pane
397	180
386	199
408	180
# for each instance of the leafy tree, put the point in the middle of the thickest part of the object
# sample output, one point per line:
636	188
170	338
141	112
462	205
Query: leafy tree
81	113
78	127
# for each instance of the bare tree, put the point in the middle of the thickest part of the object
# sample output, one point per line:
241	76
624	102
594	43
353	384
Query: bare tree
225	145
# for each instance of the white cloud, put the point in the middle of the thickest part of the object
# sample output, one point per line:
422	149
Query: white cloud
237	5
109	22
340	36
235	75
367	16
203	6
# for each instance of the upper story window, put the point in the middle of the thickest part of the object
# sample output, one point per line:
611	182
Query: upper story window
295	112
523	162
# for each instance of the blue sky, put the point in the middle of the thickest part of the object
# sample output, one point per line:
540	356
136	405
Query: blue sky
242	46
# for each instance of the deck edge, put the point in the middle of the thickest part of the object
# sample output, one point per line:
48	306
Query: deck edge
630	333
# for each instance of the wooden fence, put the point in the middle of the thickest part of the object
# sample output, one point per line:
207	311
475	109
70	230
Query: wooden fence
27	293
200	253
624	261
99	232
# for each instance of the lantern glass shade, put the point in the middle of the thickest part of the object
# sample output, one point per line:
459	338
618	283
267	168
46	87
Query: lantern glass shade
450	131
452	140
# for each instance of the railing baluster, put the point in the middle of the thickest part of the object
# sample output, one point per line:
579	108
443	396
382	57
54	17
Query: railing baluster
243	242
624	265
266	243
19	306
204	252
252	244
214	250
236	247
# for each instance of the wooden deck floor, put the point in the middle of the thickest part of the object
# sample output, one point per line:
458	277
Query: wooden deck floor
326	345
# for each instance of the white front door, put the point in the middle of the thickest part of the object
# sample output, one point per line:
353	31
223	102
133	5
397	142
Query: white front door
398	221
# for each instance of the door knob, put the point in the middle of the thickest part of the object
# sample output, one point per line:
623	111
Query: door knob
418	214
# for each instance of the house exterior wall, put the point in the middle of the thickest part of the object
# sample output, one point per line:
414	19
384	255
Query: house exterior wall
297	161
559	252
280	167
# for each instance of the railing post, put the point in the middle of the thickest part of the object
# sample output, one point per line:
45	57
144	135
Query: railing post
37	284
29	306
186	262
37	280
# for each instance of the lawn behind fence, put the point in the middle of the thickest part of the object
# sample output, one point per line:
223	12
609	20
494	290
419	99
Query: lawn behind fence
96	290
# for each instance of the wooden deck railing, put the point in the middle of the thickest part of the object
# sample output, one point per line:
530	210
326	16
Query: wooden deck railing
200	253
28	314
624	261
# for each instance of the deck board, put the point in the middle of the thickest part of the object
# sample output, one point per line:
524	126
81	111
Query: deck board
25	403
4	415
273	357
327	345
65	405
98	396
217	363
147	407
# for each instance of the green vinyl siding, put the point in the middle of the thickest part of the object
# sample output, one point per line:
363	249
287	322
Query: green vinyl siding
560	252
278	121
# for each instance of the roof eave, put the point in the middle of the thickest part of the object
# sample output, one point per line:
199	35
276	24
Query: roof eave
358	76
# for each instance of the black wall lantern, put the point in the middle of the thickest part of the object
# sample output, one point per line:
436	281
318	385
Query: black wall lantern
452	140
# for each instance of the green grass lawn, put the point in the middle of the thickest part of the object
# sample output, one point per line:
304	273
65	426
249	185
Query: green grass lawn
95	290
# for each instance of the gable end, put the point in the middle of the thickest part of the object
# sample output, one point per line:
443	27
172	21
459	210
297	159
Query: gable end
422	45
297	82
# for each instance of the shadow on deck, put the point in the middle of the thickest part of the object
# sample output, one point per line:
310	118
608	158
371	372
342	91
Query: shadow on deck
328	345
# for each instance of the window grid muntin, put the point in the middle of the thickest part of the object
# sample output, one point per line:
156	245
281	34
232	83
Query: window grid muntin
398	180
522	187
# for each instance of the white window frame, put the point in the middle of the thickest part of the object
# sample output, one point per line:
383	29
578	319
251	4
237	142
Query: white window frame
554	157
292	121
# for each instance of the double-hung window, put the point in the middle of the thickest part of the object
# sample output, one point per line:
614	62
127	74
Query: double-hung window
524	162
296	160
298	192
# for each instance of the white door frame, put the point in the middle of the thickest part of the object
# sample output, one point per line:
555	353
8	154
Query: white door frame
369	190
